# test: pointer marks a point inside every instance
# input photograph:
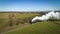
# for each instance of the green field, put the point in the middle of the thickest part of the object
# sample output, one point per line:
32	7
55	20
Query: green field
9	21
13	21
46	27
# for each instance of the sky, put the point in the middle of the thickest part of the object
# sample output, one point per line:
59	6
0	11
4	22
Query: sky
29	5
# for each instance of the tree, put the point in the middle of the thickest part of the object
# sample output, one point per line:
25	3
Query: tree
18	21
10	20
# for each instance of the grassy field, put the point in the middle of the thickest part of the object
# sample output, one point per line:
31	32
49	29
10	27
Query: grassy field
46	27
9	21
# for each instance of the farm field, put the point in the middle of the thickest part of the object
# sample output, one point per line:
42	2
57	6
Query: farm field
46	27
10	21
21	22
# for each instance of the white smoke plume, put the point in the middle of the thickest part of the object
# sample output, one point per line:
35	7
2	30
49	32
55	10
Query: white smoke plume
50	15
